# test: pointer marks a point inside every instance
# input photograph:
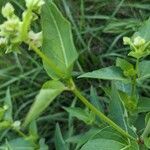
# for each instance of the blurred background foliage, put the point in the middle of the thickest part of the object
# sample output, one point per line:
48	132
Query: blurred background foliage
98	27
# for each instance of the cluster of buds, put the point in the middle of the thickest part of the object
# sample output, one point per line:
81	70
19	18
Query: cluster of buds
14	30
9	30
34	5
139	47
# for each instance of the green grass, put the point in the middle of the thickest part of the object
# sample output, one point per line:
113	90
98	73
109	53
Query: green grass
98	27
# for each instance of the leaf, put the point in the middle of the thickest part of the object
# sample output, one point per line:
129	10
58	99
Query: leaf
109	133
128	68
118	112
8	103
42	144
57	40
2	111
144	31
95	99
81	114
102	144
83	137
59	141
18	144
116	108
108	73
33	131
143	105
47	94
144	71
124	87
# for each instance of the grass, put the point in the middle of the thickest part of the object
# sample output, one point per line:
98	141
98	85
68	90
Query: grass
98	27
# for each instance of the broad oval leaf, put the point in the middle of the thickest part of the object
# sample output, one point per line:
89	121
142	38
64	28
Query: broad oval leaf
108	73
47	94
57	40
103	144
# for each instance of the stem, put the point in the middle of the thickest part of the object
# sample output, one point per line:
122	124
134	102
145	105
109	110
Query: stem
146	131
20	133
133	92
58	72
100	114
26	24
137	67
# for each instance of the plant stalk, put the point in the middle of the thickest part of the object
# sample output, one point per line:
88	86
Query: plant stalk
78	93
100	114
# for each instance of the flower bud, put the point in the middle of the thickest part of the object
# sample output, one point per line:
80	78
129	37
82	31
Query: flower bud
35	38
16	124
138	41
126	40
3	42
34	4
5	107
8	11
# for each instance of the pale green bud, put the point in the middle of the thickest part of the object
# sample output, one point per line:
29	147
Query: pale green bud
10	27
16	124
34	4
138	41
5	107
3	41
8	10
126	40
35	38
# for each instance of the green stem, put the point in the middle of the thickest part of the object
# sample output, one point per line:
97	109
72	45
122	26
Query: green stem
133	92
20	133
137	67
100	114
58	72
146	131
26	24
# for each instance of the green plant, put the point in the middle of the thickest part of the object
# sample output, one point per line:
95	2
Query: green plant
59	55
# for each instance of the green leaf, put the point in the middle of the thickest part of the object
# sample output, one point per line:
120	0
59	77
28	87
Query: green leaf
118	112
128	68
59	141
1	113
143	105
144	71
95	99
42	144
83	137
147	142
8	104
144	31
57	40
116	108
102	144
33	132
47	94
18	144
108	73
81	114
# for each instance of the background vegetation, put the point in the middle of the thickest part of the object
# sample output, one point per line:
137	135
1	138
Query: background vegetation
98	27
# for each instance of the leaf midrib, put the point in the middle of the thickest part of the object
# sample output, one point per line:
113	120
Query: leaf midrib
60	38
